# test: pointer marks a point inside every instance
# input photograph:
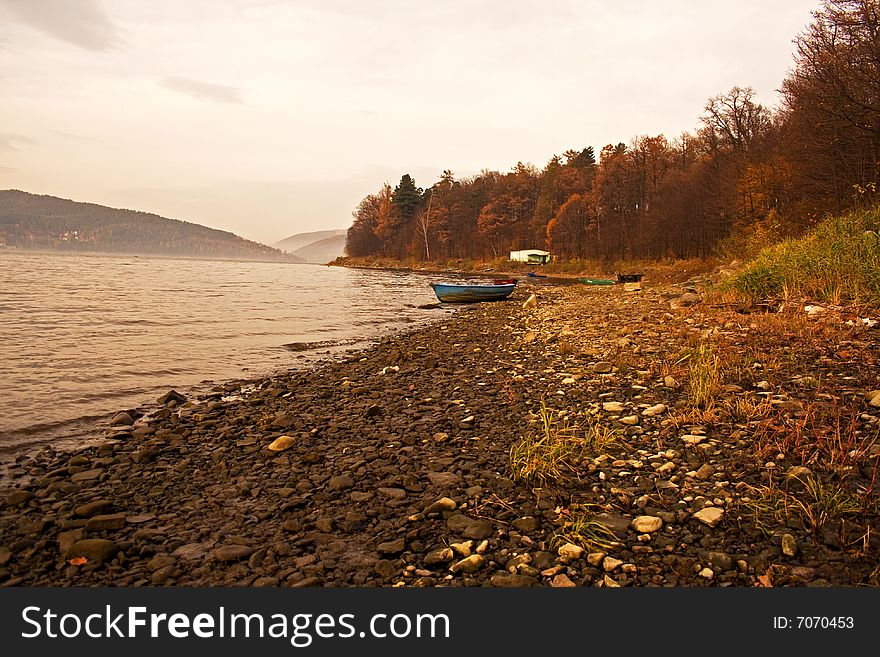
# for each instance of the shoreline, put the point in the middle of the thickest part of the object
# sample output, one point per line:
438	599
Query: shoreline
397	469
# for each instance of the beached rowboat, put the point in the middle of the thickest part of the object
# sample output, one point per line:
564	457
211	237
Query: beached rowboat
471	293
597	281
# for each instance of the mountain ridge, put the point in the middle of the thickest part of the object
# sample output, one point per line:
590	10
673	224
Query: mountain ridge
42	221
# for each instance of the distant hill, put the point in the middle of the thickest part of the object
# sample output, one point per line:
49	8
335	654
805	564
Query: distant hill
31	221
322	251
294	242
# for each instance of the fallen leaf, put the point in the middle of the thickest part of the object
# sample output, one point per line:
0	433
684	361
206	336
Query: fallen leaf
78	561
764	581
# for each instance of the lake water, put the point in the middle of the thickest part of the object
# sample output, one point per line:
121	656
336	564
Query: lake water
83	336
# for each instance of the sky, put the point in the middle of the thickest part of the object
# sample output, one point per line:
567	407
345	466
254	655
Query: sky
273	117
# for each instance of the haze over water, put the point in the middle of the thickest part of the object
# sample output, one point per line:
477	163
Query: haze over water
83	336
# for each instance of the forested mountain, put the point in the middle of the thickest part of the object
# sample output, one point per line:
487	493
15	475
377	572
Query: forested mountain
29	221
294	242
322	251
747	172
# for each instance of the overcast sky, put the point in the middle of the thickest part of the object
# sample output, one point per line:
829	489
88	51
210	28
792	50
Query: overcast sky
272	117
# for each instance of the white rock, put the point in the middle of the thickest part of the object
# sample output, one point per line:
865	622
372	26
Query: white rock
531	302
707	573
571	551
611	564
710	515
873	398
646	524
692	439
657	409
630	419
613	407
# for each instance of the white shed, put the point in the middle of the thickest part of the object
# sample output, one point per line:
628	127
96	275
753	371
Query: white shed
534	256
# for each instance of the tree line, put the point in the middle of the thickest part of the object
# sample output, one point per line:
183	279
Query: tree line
746	169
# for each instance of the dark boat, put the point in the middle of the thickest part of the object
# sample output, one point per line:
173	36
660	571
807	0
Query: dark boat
471	293
629	278
534	275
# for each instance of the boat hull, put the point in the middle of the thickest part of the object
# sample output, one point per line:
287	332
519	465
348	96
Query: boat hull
463	293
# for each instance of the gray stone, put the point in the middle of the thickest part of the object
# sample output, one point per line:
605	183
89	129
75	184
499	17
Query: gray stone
458	523
341	482
506	580
647	524
439	556
441	505
96	550
526	524
233	552
443	479
602	367
93	508
106	522
122	419
396	546
720	560
478	530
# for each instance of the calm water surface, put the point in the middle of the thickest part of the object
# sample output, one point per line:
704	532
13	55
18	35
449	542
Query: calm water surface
82	336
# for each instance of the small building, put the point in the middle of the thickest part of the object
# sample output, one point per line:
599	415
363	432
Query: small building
532	256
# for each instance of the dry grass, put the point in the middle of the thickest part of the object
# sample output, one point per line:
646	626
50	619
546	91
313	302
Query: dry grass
554	455
581	528
704	381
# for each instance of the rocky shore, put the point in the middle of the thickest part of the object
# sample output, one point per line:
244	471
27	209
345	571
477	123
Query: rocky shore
607	437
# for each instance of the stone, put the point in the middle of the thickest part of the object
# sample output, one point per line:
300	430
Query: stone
340	482
707	573
96	550
440	437
630	420
233	552
281	443
325	525
478	530
507	580
669	381
562	581
443	479
720	560
705	472
462	549
68	538
531	302
94	508
596	558
468	565
396	546
18	497
162	575
86	475
171	396
526	524
107	522
693	439
5	556
647	524
789	545
610	583
570	551
613	407
122	419
710	515
385	568
439	556
160	562
656	409
610	564
393	493
457	523
284	420
441	505
873	398
602	367
358	496
530	337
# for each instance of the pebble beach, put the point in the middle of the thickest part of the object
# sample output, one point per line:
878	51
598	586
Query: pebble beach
419	461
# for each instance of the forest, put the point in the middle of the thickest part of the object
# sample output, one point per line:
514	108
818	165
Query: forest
746	175
30	221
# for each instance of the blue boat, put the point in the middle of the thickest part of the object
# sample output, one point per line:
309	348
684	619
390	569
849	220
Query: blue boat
534	275
471	293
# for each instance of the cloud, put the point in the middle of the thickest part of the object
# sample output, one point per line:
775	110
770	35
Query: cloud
10	142
82	23
203	90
